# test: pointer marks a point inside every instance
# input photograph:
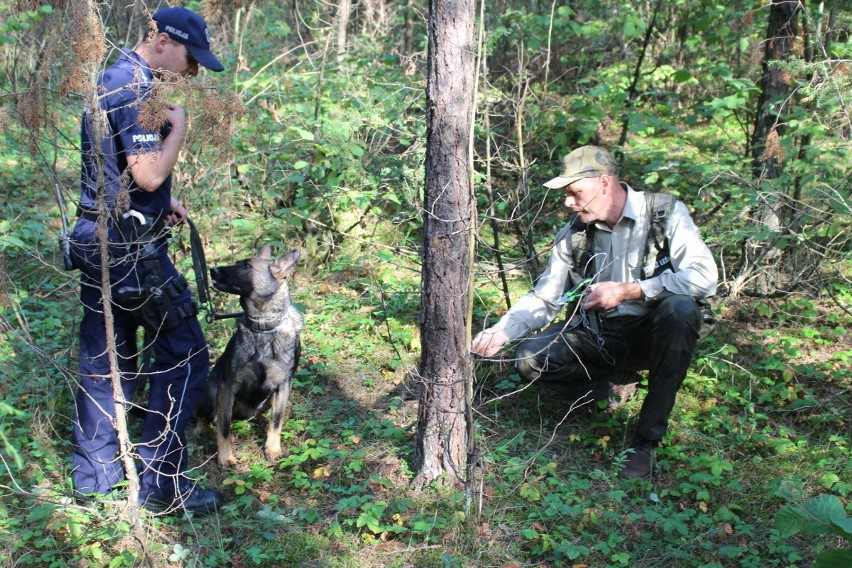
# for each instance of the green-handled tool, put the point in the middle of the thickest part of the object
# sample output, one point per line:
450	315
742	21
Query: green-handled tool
574	293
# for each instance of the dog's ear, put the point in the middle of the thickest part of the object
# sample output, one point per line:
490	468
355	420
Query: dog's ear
266	253
285	265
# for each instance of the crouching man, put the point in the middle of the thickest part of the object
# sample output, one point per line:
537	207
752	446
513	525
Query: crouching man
630	270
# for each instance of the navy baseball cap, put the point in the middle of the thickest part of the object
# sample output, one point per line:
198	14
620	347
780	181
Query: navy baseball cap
186	27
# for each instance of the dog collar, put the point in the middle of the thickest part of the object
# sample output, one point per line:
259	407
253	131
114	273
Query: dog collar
275	329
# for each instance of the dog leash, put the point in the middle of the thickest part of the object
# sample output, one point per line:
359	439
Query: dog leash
202	282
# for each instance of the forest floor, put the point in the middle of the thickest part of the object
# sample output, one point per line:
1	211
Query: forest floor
761	426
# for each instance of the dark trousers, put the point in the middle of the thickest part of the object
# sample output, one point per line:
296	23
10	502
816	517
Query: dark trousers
587	352
176	379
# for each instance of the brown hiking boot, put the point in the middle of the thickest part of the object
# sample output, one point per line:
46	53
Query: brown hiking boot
640	462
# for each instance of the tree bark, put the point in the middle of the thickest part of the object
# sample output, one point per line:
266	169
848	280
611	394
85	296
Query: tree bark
344	9
767	153
774	87
445	365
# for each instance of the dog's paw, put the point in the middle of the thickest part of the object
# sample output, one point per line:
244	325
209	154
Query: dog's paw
272	454
227	460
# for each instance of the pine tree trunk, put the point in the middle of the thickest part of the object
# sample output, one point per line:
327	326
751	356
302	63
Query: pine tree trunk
445	364
774	87
767	154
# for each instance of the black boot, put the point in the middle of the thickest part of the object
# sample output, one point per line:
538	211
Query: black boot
200	501
640	462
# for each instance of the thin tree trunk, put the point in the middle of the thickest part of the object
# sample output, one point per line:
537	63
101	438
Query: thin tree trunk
445	366
344	8
633	90
408	32
767	152
99	121
523	224
470	480
549	44
492	215
774	87
126	448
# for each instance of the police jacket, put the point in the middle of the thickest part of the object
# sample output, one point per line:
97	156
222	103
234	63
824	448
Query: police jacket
122	88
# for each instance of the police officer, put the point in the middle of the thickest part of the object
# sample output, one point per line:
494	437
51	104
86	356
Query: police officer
629	318
133	166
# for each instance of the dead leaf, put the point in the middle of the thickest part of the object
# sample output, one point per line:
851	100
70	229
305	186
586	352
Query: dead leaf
321	471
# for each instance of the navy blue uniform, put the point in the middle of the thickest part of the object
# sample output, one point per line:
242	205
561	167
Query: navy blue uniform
180	359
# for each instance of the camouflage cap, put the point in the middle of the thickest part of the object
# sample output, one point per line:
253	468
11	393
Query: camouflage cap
584	162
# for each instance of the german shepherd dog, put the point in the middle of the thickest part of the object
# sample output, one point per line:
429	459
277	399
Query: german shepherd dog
255	372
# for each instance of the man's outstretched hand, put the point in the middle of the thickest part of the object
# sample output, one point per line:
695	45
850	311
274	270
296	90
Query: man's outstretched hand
489	341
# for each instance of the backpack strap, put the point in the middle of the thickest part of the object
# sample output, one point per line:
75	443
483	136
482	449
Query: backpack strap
582	242
657	258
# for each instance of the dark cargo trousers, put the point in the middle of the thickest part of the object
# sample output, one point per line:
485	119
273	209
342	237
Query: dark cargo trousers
176	379
586	353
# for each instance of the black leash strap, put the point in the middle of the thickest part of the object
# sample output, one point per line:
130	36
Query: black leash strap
199	264
202	282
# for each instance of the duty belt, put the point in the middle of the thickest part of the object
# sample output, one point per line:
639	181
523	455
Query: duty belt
153	225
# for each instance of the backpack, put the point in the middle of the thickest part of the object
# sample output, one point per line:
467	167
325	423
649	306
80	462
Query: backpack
655	261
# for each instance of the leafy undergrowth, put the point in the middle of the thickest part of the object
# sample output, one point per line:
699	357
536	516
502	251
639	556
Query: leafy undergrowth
761	424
